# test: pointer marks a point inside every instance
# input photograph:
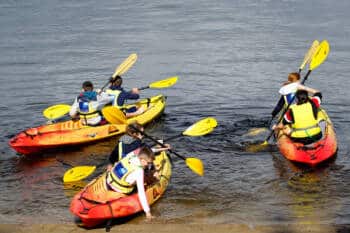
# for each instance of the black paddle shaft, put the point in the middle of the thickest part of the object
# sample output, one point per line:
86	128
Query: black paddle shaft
159	143
284	112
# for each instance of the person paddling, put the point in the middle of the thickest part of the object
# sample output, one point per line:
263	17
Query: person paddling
130	142
128	173
302	117
87	105
121	96
287	97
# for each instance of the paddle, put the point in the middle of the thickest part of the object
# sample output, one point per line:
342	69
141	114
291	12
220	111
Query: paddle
161	83
59	110
122	68
307	58
56	111
317	59
199	128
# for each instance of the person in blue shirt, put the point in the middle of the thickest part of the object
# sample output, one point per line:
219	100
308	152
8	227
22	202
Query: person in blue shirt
131	141
121	96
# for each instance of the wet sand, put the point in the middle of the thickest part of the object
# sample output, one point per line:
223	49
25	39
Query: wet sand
173	228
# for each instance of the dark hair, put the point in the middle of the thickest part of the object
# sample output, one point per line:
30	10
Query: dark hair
147	152
117	81
88	86
302	97
134	128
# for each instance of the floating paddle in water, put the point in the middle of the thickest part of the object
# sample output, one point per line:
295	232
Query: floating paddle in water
307	58
199	128
317	59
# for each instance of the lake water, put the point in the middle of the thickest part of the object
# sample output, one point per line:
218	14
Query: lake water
231	57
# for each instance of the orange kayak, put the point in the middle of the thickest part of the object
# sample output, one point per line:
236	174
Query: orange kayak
96	204
70	133
311	154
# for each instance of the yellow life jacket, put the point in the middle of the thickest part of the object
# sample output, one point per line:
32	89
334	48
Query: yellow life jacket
305	125
87	111
116	178
116	94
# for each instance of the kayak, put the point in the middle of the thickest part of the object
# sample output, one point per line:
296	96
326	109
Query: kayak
314	153
71	133
96	204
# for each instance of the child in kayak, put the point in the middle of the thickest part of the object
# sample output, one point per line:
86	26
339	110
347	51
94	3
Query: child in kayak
287	97
87	105
130	142
128	173
302	117
121	96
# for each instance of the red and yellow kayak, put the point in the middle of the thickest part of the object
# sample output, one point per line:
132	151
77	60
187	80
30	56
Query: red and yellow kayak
315	153
96	204
70	133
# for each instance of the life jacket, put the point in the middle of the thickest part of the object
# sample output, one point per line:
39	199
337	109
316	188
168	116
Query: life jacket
116	178
305	123
114	92
288	99
86	110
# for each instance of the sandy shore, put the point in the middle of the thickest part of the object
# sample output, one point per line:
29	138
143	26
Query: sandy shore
174	228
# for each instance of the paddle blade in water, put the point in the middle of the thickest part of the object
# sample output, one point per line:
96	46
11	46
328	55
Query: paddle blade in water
114	115
195	165
78	173
201	127
56	111
125	65
256	131
309	54
257	147
320	55
164	83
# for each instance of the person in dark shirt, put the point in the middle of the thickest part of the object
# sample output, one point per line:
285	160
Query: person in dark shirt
302	117
121	96
131	141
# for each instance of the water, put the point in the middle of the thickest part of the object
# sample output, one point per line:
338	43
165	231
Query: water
231	57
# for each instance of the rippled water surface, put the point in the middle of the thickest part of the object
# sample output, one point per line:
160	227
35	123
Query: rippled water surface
231	57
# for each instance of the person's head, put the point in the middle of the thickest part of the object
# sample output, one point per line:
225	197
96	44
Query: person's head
302	96
292	78
146	157
88	86
133	130
117	81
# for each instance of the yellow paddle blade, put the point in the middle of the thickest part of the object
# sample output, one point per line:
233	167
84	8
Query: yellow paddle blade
56	111
114	115
201	127
256	147
164	83
195	165
78	173
320	55
309	54
256	131
126	65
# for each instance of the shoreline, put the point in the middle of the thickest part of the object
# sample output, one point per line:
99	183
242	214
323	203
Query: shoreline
183	228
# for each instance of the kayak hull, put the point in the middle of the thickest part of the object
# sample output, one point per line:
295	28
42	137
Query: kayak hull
95	204
71	133
315	153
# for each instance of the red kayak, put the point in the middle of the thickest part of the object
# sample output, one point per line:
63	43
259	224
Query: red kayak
311	154
96	204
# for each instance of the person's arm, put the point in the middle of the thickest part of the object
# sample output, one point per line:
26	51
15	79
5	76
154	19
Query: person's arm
138	175
278	107
74	109
317	99
308	89
113	157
